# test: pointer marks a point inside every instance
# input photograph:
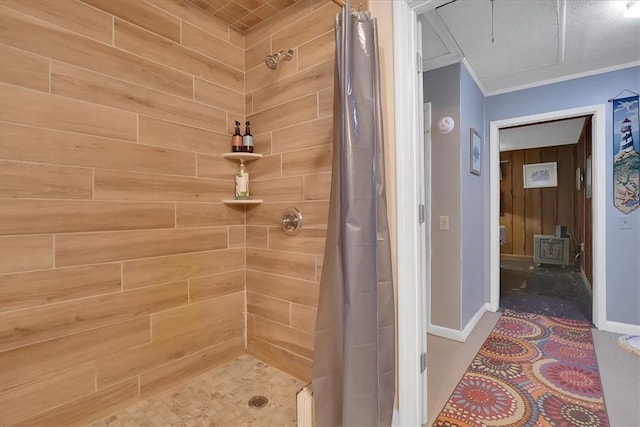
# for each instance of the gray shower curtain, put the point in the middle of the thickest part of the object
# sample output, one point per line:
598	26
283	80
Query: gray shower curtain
354	361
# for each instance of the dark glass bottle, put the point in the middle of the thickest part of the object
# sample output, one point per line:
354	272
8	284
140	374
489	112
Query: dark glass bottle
236	140
247	139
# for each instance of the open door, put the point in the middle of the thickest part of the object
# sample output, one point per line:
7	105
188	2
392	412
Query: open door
425	174
594	210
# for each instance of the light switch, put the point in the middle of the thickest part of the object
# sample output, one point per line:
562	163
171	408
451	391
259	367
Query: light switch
624	222
444	223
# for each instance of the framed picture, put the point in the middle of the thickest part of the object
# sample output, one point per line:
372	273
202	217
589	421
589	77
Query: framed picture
475	152
538	175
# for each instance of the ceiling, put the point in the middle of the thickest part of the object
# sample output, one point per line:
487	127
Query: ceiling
535	42
547	134
242	14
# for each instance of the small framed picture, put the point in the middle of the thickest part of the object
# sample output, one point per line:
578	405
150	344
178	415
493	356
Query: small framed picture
475	152
538	175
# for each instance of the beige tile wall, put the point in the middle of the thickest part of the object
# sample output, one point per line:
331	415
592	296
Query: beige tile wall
288	112
122	272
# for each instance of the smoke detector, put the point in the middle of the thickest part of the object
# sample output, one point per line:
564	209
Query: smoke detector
445	125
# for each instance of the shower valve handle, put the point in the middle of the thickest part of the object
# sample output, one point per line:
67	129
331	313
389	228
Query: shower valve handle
291	221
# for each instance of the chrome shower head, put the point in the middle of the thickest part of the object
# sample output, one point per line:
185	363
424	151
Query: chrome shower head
272	60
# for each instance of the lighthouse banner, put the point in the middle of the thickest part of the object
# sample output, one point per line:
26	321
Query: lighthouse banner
626	154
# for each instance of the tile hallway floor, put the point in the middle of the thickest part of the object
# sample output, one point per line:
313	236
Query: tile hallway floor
218	398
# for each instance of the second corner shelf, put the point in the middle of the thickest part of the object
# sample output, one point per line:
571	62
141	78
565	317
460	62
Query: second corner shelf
242	156
242	201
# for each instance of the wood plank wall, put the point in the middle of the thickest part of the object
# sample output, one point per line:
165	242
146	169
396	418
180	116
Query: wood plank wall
122	272
526	212
291	111
583	216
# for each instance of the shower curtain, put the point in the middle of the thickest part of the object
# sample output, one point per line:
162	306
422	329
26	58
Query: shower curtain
354	361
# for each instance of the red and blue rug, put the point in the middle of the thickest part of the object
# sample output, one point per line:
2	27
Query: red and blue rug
532	370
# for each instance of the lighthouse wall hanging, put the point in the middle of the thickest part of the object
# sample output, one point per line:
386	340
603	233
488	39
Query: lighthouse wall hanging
626	154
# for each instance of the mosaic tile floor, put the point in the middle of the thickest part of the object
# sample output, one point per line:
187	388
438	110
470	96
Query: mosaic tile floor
218	398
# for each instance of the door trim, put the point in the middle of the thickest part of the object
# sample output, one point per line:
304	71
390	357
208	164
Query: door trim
408	123
598	204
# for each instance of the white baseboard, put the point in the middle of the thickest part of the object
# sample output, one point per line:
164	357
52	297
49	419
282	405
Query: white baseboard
619	328
454	334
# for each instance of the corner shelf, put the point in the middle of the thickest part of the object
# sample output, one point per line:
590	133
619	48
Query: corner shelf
242	156
242	201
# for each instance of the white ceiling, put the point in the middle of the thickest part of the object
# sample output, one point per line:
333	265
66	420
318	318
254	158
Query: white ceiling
535	41
562	132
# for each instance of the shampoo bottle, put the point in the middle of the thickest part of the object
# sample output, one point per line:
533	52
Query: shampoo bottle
242	183
236	139
247	139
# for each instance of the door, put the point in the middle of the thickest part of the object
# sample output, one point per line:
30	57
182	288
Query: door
412	246
597	210
425	174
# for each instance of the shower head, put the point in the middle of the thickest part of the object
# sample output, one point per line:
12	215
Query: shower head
272	60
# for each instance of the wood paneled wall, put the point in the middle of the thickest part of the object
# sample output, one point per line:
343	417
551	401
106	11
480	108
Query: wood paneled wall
122	272
583	216
530	211
291	111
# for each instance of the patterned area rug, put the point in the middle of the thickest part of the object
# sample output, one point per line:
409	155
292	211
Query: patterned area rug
532	370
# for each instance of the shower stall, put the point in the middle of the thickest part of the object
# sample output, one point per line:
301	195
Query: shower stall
130	292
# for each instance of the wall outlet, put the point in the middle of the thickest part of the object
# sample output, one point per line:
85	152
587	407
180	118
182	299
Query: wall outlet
444	223
624	222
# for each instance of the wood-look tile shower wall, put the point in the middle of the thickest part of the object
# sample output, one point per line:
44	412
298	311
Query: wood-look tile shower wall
291	112
122	272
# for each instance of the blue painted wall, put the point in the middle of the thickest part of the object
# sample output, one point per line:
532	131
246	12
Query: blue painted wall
454	93
459	267
623	246
472	193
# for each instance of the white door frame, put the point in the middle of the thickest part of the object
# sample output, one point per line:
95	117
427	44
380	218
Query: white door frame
413	250
411	308
426	173
598	203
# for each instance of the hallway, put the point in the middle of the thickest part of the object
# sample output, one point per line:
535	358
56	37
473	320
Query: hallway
551	290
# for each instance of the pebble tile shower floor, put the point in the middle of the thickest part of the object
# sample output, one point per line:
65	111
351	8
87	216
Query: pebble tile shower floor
218	398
